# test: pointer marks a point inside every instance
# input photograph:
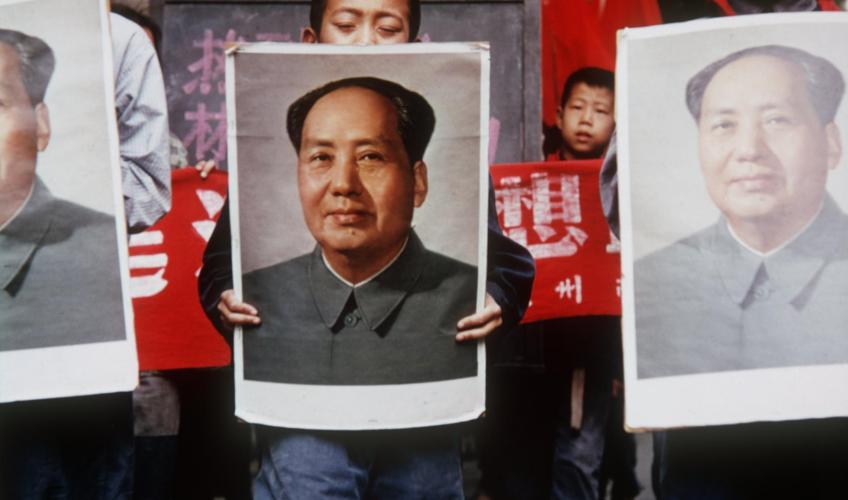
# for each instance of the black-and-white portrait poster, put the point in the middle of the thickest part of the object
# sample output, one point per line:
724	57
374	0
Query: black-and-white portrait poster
65	316
357	198
734	232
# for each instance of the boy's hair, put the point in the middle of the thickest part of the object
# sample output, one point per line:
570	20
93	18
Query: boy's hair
591	76
317	8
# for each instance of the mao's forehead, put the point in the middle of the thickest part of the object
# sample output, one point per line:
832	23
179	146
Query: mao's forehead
352	103
10	75
754	80
755	84
9	61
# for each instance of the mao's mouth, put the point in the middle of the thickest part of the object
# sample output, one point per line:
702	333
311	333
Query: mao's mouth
758	182
348	216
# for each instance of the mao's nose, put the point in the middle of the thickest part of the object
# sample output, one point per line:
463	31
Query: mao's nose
749	143
345	177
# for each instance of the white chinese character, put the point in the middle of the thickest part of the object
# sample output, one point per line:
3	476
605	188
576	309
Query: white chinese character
573	289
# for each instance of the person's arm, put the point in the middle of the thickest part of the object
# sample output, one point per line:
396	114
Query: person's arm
609	185
215	282
142	115
509	281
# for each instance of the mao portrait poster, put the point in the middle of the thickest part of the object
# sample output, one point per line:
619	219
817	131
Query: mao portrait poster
65	317
357	194
734	234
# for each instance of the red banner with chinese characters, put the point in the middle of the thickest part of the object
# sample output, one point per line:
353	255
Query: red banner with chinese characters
171	329
554	210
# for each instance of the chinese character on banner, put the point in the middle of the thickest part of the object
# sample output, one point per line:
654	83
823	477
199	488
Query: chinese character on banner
172	330
554	210
208	71
210	142
203	115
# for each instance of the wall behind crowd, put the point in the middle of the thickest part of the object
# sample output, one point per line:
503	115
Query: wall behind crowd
195	33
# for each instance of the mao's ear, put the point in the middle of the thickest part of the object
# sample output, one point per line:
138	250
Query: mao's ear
309	36
834	145
419	171
42	126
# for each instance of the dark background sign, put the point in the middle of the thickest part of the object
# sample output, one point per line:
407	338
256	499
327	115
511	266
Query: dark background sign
194	35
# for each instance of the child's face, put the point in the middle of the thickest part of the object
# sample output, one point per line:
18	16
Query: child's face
586	121
363	22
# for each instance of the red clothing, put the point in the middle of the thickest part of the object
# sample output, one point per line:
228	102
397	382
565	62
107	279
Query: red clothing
578	33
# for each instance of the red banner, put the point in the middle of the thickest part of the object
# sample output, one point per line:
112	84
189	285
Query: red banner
554	210
171	329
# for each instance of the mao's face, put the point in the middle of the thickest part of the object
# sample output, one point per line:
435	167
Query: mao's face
365	22
764	153
356	185
587	120
22	133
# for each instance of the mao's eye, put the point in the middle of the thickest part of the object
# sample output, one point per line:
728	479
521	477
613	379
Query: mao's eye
371	157
778	120
722	125
319	157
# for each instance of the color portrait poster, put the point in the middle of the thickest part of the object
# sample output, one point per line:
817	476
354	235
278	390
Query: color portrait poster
554	210
65	317
357	198
734	235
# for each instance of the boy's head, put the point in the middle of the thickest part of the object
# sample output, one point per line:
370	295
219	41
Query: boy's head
366	22
586	114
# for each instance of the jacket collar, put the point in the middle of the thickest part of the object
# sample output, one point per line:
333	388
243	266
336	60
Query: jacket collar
22	235
378	298
789	270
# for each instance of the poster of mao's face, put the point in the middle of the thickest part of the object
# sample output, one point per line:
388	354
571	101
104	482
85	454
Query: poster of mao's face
734	195
358	192
65	327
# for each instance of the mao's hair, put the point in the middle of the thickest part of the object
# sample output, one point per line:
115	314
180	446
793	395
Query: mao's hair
415	117
823	80
591	76
35	59
317	8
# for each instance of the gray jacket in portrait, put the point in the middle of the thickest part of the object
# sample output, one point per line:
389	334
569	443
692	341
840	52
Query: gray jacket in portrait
397	328
706	304
59	275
